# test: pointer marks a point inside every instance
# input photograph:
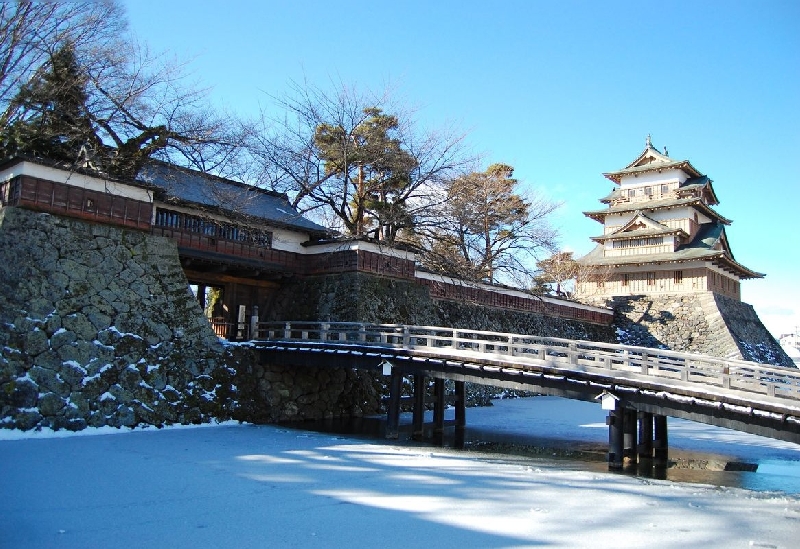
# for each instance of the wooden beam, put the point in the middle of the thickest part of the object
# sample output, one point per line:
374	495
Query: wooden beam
218	279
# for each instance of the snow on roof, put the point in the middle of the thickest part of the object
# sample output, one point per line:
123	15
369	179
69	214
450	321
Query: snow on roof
184	185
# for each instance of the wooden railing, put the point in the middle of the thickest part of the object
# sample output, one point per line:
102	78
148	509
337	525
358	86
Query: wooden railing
566	354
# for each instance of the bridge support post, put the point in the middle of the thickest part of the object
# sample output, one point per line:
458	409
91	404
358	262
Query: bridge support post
393	412
660	441
418	421
645	435
461	413
438	406
629	430
615	437
461	404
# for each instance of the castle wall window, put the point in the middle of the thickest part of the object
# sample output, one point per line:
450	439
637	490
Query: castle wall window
651	278
194	224
626	278
635	242
678	277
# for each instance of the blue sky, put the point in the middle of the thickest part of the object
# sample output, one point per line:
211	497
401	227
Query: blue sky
563	91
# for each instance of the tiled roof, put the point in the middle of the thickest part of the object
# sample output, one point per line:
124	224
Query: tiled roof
647	205
701	248
650	231
655	161
192	187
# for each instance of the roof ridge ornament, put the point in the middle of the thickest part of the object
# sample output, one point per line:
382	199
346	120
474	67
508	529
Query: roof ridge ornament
648	143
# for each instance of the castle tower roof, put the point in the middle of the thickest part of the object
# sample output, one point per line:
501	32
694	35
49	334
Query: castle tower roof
650	160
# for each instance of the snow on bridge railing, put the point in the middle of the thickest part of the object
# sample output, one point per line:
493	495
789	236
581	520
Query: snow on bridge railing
773	381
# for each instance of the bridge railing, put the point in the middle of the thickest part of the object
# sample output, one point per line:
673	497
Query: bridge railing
575	355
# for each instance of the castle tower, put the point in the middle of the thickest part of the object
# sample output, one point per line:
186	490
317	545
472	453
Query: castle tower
661	234
664	264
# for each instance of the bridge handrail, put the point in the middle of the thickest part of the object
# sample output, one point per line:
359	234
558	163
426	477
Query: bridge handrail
773	381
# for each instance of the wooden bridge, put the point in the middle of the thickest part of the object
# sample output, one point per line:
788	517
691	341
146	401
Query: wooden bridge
639	386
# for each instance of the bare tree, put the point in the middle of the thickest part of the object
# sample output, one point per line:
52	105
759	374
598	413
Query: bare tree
347	154
139	106
144	107
32	32
557	274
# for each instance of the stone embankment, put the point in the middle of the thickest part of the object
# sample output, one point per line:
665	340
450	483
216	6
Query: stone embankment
705	323
98	326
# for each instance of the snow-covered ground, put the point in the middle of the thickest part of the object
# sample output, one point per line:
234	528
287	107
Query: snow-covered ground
271	487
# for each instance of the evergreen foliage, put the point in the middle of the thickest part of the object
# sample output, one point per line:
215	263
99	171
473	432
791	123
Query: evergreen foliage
52	120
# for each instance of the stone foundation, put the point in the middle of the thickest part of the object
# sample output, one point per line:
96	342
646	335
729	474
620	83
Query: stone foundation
704	323
99	327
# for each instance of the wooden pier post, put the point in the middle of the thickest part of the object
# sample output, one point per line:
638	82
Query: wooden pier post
461	413
660	441
461	405
393	411
438	406
629	434
645	435
418	421
615	436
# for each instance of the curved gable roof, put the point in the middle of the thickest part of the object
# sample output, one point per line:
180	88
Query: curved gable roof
710	244
640	226
191	187
650	160
696	202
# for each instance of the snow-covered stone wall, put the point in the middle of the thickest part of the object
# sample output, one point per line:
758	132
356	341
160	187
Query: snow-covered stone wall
98	326
705	323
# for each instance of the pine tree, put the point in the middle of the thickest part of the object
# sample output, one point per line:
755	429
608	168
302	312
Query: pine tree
373	170
51	118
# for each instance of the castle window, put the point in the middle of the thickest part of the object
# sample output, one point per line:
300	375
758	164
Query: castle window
626	278
631	193
648	191
651	278
678	277
213	229
635	242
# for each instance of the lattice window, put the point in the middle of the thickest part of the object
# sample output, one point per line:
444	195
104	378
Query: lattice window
226	231
637	242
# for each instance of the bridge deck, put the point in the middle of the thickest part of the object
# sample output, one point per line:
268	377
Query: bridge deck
746	396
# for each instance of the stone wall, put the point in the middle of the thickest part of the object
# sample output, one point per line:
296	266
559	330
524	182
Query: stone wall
98	327
360	297
705	323
752	339
270	393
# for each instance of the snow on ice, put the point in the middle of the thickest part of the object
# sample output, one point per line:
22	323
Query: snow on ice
249	486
